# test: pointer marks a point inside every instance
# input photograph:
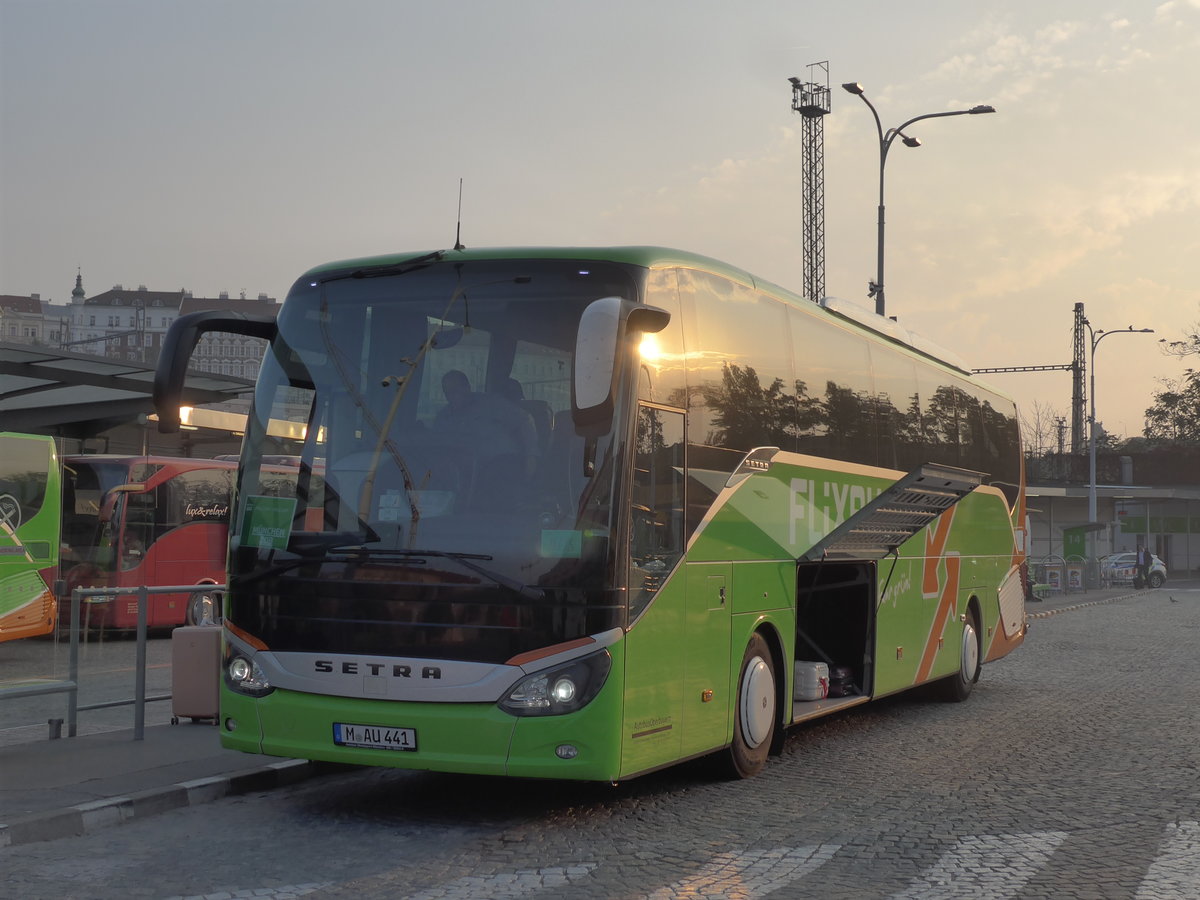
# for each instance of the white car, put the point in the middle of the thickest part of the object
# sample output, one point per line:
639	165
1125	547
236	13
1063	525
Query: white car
1121	568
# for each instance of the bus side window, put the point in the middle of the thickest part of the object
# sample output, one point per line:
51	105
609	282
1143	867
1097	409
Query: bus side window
656	509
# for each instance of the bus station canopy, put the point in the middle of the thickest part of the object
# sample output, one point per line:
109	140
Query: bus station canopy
44	390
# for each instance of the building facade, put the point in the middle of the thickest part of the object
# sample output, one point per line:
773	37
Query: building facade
1163	517
130	324
22	320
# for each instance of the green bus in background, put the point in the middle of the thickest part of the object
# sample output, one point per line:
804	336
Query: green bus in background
30	522
584	513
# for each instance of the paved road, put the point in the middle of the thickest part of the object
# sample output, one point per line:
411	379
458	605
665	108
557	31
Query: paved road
1072	772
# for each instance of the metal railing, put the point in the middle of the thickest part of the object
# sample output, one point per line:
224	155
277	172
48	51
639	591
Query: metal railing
71	685
1055	574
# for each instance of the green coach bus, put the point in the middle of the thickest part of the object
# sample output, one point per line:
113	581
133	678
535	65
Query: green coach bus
584	513
30	523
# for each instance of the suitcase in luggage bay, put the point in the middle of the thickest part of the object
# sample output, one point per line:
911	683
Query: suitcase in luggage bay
811	681
841	682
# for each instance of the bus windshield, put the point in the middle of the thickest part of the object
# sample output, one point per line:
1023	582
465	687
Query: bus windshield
444	495
88	536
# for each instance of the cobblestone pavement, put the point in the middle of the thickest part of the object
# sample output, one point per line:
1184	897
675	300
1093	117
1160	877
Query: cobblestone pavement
1072	772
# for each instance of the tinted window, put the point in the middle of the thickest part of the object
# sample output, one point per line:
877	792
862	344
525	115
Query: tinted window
897	409
662	376
656	513
85	487
743	394
23	467
965	426
834	366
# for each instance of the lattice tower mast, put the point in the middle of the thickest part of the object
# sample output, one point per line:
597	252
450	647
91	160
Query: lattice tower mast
811	99
1079	439
1078	367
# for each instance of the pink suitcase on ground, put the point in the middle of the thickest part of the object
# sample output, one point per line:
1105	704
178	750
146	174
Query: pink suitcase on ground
195	672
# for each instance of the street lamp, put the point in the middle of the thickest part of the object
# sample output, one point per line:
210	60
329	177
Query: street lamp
1096	337
885	142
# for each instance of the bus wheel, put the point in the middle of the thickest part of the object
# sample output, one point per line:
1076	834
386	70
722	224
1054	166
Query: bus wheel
754	714
204	607
957	688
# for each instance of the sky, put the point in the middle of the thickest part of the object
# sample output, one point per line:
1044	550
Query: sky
229	145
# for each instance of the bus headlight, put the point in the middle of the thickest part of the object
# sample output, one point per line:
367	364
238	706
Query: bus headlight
562	689
245	676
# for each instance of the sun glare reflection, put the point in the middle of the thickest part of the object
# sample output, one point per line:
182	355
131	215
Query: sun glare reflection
649	348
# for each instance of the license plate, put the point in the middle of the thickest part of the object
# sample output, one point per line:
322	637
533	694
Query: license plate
374	737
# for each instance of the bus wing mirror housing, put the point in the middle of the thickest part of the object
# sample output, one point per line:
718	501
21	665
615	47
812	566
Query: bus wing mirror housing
111	496
603	325
178	344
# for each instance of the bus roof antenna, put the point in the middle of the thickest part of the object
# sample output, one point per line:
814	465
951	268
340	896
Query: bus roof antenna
458	244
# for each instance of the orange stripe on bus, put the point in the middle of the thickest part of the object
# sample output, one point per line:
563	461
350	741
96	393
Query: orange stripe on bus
935	548
521	658
246	636
945	608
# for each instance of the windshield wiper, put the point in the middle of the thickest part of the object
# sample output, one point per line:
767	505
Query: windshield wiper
464	559
400	268
313	550
335	540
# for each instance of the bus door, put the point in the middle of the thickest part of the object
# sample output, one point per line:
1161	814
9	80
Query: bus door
136	515
693	619
654	650
122	543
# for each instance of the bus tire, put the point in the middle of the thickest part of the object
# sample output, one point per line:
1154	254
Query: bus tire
755	714
957	687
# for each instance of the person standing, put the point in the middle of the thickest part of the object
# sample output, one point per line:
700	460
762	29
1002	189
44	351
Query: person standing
1143	567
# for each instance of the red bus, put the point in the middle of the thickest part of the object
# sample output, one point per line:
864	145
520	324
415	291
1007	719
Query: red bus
145	520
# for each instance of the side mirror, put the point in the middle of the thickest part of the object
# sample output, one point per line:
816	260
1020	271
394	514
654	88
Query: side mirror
601	328
111	496
178	344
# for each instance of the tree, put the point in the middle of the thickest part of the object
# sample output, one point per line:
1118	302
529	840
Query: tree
746	414
1106	441
1042	427
1175	415
1189	346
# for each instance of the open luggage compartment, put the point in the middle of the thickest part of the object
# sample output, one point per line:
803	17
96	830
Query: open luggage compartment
835	578
835	613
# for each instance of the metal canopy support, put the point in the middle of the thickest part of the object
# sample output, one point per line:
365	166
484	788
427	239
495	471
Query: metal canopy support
898	513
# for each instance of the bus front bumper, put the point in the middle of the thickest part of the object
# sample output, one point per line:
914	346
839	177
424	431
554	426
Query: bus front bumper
467	738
